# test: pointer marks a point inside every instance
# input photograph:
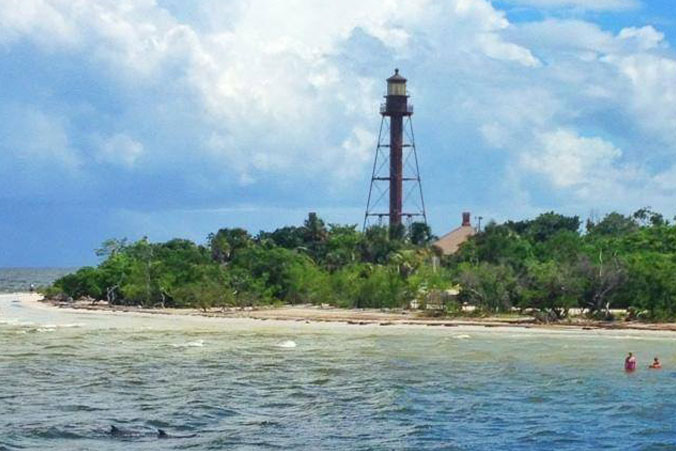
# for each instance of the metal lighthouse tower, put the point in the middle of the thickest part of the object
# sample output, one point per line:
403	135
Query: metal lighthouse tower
402	183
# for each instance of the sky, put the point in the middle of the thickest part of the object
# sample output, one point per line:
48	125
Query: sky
173	118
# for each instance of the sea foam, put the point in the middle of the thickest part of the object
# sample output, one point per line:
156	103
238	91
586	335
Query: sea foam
189	344
287	344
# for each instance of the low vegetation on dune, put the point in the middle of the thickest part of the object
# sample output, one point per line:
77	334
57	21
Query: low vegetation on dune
547	267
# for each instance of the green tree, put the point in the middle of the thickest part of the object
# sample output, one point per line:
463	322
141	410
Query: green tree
545	226
651	285
489	287
205	295
114	271
379	287
84	282
601	281
342	246
420	234
111	247
307	284
553	288
289	237
497	244
314	230
563	246
647	217
226	242
377	245
613	224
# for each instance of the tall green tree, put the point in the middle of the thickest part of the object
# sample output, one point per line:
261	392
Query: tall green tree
420	234
226	242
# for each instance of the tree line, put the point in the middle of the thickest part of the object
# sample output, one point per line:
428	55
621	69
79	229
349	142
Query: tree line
547	266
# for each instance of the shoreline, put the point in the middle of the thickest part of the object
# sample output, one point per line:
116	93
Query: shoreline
323	314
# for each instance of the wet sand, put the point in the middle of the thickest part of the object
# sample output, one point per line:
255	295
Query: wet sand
356	317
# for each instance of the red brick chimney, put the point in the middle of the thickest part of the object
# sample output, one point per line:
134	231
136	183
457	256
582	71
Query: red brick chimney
465	219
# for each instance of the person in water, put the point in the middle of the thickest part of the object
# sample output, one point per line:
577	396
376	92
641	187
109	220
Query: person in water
630	362
656	365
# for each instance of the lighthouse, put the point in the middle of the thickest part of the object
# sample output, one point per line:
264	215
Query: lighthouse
402	182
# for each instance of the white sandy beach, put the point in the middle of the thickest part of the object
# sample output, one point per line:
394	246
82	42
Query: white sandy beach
29	308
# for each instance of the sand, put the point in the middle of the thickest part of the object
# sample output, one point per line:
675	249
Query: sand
353	317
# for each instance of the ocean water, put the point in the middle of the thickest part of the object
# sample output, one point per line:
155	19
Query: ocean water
20	279
66	377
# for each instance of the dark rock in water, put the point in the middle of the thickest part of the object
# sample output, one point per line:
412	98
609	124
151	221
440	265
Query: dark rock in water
128	433
117	432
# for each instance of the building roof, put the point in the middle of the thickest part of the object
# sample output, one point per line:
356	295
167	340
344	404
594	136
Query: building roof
450	243
396	78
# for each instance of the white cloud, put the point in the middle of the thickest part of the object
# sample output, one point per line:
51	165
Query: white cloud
46	22
267	79
356	150
38	159
569	160
647	37
562	38
293	87
37	139
650	90
666	180
120	149
621	86
589	173
495	47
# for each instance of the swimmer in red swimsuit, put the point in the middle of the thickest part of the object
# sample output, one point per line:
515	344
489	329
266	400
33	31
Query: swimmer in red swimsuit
630	362
656	365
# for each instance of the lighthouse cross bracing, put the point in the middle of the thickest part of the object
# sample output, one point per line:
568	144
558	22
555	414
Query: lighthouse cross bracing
401	184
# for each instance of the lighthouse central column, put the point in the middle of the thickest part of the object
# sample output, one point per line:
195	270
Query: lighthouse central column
396	170
395	111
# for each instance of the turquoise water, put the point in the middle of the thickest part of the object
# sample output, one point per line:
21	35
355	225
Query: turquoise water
20	279
244	384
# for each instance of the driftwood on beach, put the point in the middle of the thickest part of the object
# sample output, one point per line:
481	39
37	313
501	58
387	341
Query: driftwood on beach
364	317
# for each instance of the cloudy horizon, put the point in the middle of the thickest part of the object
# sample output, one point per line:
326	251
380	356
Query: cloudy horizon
166	118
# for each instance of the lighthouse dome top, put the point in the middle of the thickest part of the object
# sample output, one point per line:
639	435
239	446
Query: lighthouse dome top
396	85
396	78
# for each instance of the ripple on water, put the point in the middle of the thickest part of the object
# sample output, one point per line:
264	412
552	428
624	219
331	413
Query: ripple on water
340	389
55	432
